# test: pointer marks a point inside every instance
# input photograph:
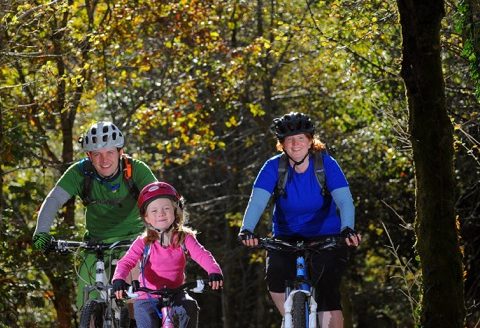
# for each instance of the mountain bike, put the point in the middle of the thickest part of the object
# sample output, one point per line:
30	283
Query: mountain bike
99	309
300	305
164	308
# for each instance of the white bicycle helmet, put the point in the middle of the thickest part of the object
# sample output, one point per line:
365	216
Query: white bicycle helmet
102	135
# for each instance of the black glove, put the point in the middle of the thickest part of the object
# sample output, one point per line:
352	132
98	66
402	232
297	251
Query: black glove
119	285
349	233
246	235
212	277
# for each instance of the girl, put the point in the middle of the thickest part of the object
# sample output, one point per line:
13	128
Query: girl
161	249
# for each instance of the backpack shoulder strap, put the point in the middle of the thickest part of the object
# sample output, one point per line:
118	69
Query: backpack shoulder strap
184	249
145	255
282	177
88	175
128	175
320	172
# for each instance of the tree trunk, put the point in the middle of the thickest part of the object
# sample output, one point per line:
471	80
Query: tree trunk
431	136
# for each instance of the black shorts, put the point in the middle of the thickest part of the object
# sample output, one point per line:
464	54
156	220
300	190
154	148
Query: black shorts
325	268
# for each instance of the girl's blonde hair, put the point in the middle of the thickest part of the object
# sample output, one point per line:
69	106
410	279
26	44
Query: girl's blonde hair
178	229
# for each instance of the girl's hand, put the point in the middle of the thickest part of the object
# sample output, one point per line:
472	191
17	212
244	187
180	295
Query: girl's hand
215	280
119	288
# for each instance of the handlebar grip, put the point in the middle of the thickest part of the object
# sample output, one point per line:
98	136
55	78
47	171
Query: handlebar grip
200	286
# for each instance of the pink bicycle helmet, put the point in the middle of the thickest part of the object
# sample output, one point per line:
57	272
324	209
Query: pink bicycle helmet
156	190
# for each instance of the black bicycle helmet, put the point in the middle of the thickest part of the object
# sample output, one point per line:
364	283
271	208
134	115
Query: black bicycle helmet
291	124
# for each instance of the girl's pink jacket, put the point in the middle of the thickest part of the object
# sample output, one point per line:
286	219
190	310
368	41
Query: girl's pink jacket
165	267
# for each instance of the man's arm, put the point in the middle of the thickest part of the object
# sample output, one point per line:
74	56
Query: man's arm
55	199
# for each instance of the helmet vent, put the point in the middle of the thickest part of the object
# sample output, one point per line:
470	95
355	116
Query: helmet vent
291	124
102	135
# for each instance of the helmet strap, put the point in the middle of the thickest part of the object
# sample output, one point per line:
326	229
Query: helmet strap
161	233
294	161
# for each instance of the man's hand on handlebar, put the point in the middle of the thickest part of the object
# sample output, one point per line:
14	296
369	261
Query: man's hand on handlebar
248	238
42	241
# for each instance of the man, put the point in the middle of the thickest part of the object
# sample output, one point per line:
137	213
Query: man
108	182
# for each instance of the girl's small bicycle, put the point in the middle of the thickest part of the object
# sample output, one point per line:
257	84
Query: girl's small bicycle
300	305
164	308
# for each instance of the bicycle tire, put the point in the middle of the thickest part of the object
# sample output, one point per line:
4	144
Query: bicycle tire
124	321
299	310
92	315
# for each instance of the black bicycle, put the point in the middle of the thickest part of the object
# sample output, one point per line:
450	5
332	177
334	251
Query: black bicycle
300	305
100	309
164	308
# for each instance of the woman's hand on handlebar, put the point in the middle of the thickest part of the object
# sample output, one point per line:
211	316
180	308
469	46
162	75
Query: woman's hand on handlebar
248	238
352	238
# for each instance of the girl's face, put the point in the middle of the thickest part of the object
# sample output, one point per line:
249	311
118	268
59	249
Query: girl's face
297	146
160	213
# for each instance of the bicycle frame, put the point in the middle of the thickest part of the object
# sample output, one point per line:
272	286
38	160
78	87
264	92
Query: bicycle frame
304	286
166	299
301	283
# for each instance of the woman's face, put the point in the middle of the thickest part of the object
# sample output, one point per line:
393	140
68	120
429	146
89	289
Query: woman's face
297	146
160	213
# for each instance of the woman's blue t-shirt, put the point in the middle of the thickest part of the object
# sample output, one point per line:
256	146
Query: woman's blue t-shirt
300	212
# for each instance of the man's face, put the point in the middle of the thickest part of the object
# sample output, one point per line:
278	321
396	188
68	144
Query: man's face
106	161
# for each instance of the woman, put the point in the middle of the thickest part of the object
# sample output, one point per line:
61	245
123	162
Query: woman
304	210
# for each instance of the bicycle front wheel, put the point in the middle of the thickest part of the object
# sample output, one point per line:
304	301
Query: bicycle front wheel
299	307
92	314
124	321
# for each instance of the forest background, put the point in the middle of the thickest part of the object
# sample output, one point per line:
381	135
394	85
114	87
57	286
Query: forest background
194	85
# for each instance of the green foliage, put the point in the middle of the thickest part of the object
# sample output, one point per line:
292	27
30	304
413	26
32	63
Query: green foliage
194	86
467	25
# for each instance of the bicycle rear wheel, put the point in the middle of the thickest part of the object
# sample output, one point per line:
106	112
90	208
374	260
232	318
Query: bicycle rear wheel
299	310
92	314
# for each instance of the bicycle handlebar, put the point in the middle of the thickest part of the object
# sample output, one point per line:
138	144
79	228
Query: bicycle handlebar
197	286
324	243
63	246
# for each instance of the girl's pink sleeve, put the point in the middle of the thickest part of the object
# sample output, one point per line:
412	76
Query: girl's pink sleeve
129	260
203	257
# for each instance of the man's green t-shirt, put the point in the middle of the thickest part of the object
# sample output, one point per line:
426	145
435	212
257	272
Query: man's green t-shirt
117	217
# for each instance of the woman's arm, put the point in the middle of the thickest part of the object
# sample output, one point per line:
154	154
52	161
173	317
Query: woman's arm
343	199
256	205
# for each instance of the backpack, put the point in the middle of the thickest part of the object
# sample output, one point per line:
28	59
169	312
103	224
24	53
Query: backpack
319	173
89	175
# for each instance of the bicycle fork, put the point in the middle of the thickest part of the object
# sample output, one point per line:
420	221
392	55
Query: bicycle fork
310	303
166	318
